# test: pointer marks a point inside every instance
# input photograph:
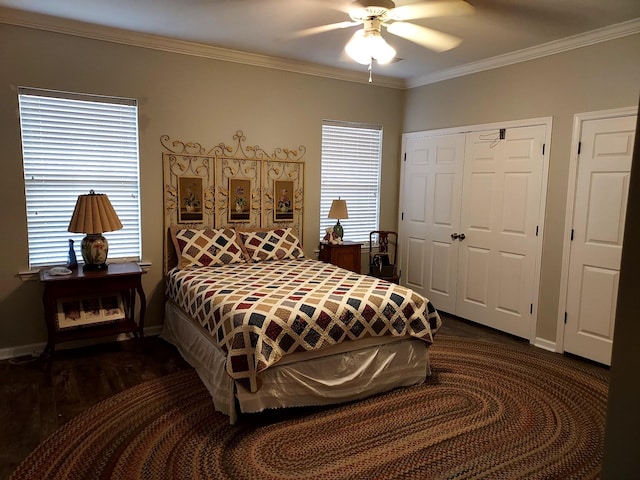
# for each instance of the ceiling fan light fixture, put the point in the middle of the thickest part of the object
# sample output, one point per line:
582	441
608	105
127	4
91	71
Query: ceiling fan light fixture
364	46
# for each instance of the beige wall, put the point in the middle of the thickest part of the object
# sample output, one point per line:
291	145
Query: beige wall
188	98
597	77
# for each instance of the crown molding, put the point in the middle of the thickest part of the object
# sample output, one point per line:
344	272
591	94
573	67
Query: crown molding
125	37
604	34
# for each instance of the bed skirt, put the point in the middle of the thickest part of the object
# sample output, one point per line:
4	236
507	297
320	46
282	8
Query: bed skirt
349	371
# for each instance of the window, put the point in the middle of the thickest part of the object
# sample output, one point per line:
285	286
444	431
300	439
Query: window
351	158
72	144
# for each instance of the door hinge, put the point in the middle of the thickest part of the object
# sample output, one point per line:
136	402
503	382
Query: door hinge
579	147
536	230
572	234
531	309
543	145
503	133
405	156
402	218
565	318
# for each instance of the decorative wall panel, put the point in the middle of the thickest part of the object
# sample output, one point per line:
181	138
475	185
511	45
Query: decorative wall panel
235	185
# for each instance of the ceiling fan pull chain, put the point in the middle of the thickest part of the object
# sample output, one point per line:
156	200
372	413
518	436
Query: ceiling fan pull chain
370	70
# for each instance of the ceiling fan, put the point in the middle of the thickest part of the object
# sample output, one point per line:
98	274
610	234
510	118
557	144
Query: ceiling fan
367	44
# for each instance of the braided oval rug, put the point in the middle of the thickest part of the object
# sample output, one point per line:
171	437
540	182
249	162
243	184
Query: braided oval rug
488	411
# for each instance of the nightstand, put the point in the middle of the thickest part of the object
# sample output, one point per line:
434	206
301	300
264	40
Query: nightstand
93	303
347	255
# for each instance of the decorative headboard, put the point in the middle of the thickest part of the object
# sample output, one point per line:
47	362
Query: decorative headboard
237	186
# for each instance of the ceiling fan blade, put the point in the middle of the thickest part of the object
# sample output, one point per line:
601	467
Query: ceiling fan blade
426	37
431	9
322	28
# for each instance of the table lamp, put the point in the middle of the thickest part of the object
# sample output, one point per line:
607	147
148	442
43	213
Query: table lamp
94	215
338	210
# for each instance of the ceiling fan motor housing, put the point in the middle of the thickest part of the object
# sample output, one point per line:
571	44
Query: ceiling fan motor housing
386	4
371	9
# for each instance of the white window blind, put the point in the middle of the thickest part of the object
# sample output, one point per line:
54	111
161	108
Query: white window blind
351	159
72	144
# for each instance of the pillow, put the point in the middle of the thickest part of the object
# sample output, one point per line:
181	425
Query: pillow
278	244
206	247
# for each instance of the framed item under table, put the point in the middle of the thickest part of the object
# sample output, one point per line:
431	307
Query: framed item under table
81	311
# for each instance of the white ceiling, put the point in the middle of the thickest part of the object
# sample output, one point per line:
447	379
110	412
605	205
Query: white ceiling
498	32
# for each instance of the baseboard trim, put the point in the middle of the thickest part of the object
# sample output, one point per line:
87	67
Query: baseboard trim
544	344
35	349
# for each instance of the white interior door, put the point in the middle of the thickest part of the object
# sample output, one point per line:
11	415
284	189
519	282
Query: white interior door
602	184
470	235
498	246
430	204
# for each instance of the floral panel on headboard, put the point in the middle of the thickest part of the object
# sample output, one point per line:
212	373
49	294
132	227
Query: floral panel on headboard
238	200
283	195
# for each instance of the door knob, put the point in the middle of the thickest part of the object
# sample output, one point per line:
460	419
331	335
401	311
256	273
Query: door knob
454	236
462	236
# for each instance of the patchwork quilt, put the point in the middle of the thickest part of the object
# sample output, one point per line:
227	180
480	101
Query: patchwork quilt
259	312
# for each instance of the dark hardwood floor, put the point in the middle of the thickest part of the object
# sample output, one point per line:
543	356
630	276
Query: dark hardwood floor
464	328
36	401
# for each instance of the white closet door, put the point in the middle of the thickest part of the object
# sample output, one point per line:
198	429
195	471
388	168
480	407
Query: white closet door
430	203
602	186
500	209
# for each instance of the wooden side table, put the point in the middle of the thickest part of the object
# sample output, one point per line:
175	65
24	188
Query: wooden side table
347	255
120	283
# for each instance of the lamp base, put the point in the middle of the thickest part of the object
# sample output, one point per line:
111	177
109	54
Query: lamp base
338	230
94	249
92	267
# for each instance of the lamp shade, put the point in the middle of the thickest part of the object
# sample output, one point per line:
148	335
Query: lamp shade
94	214
338	209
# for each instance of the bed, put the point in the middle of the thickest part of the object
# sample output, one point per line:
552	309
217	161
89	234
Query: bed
266	327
